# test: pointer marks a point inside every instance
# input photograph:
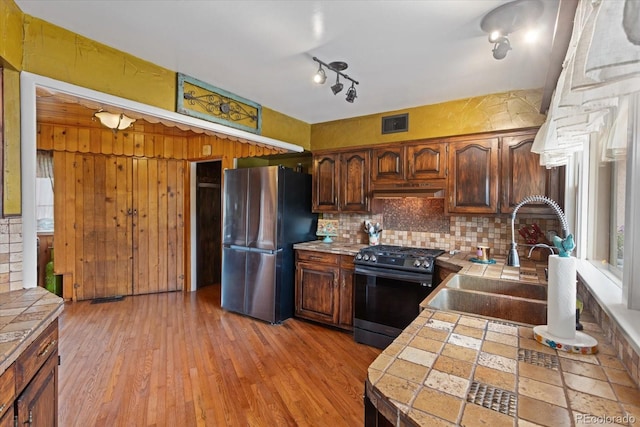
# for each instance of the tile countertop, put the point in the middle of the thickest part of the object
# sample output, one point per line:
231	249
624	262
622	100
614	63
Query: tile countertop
449	369
339	248
24	314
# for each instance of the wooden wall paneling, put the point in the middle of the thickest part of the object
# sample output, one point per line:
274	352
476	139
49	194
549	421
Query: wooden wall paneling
96	141
59	215
143	145
87	273
141	247
99	286
152	256
172	224
167	149
158	147
59	142
71	139
182	201
110	255
106	142
118	143
163	208
44	137
84	140
81	232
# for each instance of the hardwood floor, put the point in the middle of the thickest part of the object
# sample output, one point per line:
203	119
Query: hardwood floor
178	359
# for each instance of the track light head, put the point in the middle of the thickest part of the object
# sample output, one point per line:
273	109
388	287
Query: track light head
320	77
336	88
351	94
501	47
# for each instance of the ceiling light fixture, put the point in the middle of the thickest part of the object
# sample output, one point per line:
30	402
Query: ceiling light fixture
338	86
114	121
501	47
320	77
507	18
351	94
337	67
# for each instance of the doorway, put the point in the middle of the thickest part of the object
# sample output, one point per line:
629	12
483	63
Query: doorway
209	223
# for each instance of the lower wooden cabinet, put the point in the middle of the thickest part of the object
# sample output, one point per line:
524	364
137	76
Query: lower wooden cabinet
30	385
324	288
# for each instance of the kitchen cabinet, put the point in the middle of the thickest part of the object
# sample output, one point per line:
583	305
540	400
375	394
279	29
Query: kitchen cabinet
341	181
324	288
29	387
426	160
473	176
523	176
388	164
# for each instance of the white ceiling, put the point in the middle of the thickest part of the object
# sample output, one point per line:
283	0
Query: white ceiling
403	53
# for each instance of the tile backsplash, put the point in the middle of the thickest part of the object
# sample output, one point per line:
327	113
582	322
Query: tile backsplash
422	223
10	254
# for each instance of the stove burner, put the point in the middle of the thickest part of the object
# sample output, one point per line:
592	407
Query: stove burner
398	257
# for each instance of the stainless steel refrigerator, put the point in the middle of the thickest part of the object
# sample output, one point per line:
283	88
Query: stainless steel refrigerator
266	211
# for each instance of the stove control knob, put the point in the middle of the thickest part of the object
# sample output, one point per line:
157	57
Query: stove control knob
426	264
358	256
416	263
365	257
373	258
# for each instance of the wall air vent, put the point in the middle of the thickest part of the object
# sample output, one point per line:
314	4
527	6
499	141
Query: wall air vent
397	123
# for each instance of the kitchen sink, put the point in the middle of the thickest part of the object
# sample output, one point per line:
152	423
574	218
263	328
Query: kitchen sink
505	307
495	286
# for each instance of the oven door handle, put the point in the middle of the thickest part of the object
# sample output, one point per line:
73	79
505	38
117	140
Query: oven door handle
407	276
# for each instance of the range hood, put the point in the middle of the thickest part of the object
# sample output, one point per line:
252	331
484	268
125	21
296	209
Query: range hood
431	189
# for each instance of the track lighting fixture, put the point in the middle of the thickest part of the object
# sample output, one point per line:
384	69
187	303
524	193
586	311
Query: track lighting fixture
507	18
501	47
337	67
320	77
338	86
351	94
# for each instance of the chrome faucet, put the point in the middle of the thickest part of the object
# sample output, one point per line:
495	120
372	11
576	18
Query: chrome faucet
541	245
513	259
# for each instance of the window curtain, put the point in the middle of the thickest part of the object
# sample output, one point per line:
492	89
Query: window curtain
600	71
44	190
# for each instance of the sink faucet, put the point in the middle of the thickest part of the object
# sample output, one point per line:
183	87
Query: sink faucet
513	259
540	245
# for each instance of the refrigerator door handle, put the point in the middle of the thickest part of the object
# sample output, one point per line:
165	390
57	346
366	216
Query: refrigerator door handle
239	248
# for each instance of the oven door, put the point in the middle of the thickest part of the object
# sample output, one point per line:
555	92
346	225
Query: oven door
386	301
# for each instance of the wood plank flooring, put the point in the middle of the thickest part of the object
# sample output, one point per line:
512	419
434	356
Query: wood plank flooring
178	359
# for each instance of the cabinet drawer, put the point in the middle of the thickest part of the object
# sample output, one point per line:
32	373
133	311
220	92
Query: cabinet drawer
7	389
35	355
321	257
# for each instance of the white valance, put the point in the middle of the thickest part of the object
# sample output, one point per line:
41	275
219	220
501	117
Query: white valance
601	68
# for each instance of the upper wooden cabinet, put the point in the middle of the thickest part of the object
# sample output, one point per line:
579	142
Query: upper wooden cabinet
523	176
426	160
473	176
388	164
341	181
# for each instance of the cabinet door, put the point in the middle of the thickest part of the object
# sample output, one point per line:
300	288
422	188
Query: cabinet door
354	186
7	419
38	403
523	176
473	176
326	182
426	160
345	317
388	165
317	292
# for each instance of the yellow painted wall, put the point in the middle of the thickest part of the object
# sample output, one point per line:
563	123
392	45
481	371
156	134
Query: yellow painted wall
10	34
510	110
54	52
11	60
12	185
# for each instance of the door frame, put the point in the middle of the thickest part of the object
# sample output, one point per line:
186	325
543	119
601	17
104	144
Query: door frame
28	131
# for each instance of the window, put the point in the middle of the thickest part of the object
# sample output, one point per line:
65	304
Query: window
608	180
